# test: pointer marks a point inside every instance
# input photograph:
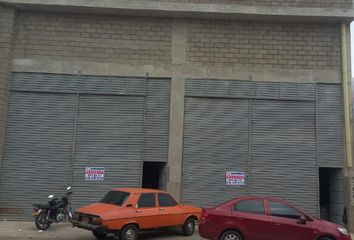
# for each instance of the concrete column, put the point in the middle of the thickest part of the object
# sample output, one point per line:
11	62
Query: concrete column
7	25
179	46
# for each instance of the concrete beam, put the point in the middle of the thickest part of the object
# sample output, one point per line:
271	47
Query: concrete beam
187	10
181	70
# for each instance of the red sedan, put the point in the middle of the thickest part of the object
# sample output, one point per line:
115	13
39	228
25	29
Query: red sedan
264	218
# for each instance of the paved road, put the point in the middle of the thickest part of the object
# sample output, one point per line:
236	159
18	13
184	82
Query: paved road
26	230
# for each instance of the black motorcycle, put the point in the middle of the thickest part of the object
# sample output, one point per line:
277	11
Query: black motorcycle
57	210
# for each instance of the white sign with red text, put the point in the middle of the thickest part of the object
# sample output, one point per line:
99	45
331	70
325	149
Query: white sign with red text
94	173
235	178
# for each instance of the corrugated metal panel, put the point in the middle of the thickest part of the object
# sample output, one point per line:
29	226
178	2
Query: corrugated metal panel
217	88
289	91
307	91
195	87
67	83
330	125
109	134
336	195
157	120
242	89
37	151
267	90
283	152
215	140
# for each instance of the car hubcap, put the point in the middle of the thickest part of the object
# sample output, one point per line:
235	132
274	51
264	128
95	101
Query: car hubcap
190	227
130	235
231	237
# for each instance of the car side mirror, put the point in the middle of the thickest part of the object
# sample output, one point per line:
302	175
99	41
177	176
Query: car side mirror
301	220
130	205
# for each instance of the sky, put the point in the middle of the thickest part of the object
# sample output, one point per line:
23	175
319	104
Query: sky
352	45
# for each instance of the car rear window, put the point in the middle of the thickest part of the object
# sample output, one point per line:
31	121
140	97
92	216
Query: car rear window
115	197
250	206
166	200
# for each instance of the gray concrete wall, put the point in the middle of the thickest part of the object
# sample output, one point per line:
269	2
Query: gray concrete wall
178	49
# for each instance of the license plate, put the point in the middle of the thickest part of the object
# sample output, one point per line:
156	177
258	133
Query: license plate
85	219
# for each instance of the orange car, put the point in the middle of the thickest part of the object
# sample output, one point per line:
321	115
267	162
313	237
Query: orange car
126	211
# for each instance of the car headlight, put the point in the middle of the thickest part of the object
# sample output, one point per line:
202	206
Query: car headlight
343	231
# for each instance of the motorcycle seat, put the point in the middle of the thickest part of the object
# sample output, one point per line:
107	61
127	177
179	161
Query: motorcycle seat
42	206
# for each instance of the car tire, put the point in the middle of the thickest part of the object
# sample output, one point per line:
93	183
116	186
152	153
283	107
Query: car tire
188	227
99	235
129	232
231	235
41	221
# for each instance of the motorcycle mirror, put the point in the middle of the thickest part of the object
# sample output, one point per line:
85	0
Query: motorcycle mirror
68	188
50	196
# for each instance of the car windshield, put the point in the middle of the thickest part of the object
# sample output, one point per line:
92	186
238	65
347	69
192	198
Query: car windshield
115	197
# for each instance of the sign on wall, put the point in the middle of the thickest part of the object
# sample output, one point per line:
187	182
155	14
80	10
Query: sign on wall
235	178
94	173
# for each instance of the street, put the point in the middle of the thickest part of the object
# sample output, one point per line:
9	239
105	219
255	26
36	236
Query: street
27	230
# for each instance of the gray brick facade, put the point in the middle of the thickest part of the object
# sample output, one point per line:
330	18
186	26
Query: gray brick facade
93	38
270	45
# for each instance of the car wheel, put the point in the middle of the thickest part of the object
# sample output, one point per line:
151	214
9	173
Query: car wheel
230	235
129	232
41	221
188	227
99	235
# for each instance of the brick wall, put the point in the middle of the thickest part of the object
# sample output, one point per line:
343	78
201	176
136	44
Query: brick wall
274	3
7	18
274	45
93	38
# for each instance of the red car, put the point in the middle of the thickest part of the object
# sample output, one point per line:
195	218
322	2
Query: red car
264	218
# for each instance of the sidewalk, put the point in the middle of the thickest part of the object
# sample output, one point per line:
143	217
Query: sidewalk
26	230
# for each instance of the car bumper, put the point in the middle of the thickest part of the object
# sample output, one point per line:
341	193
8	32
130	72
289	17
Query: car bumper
90	227
207	231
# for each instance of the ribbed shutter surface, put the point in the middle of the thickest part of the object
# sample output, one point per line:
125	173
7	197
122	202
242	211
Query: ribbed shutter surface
109	134
157	120
215	141
283	151
37	151
330	125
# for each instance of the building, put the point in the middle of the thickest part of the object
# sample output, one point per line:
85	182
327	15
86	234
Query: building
176	95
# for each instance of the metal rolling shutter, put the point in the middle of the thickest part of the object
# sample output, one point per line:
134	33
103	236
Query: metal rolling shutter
110	135
215	140
37	151
330	125
157	120
283	151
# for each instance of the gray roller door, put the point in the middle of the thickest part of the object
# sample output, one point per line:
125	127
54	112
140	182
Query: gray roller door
37	151
293	128
63	123
283	152
110	135
330	125
215	140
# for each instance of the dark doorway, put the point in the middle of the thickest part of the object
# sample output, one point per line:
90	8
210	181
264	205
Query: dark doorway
154	175
331	194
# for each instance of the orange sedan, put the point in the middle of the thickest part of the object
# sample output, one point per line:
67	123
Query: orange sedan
126	211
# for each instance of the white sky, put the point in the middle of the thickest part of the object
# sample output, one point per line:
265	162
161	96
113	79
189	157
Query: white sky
352	46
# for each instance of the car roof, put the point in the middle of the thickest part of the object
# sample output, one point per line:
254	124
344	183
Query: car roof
258	197
138	190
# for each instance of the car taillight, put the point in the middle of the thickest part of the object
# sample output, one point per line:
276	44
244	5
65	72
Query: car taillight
96	220
204	215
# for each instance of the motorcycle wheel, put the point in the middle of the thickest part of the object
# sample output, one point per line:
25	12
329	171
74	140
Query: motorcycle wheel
41	221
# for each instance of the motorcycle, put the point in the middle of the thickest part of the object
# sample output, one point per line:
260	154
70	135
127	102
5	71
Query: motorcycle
57	210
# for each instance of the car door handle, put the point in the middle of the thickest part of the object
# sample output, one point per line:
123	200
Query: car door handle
138	211
161	209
